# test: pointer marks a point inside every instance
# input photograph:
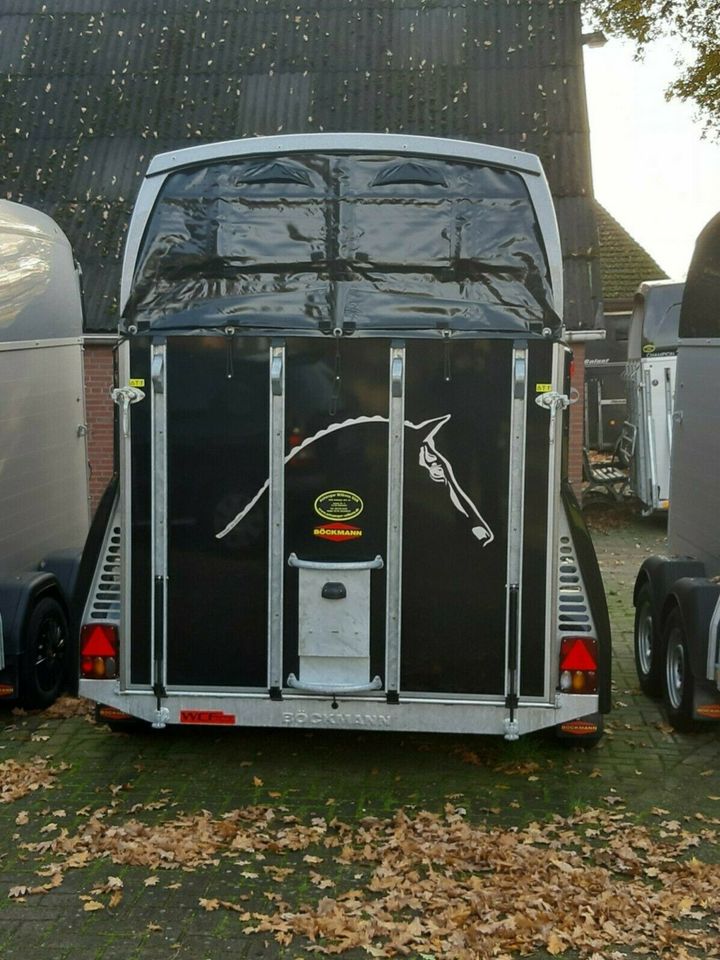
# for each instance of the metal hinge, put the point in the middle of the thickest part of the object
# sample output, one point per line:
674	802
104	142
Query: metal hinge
276	376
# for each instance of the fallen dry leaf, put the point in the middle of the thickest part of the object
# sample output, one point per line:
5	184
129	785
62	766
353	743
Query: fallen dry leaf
18	779
438	884
91	905
65	707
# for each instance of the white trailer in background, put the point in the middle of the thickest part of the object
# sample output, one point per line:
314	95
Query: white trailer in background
677	597
43	457
650	375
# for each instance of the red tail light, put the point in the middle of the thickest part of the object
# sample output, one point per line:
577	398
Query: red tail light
578	665
99	651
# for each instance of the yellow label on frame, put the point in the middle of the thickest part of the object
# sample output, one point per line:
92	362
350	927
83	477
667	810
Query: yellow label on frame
137	382
543	388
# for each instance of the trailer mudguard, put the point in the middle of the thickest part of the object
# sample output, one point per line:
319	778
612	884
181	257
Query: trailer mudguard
64	566
91	552
17	596
696	598
660	573
595	591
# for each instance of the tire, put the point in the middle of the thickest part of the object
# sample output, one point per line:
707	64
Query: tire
677	680
648	652
44	660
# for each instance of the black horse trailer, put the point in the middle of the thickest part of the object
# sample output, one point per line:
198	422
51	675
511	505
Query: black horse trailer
341	498
677	597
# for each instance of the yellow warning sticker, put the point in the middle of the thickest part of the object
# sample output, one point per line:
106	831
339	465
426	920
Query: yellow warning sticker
543	387
137	382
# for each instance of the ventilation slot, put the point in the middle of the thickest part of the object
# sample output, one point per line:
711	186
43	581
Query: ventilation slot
105	600
573	610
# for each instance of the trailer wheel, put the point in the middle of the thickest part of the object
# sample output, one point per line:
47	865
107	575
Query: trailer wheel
678	681
648	659
43	664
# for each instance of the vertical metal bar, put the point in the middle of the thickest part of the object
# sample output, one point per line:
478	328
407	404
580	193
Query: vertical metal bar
125	468
650	432
668	411
158	514
601	431
516	504
553	524
396	466
276	522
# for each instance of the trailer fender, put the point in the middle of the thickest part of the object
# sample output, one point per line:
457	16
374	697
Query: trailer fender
696	598
595	591
17	597
660	573
91	552
64	566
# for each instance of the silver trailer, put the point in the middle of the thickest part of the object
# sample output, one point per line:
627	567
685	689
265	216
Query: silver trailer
650	375
43	457
677	598
342	404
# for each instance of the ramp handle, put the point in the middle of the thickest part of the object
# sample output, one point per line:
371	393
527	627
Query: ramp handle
295	561
335	689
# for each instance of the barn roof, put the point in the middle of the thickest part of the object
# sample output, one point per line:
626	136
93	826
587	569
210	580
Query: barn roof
89	95
624	264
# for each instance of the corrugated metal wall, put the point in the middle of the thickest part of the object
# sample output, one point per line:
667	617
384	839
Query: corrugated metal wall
87	97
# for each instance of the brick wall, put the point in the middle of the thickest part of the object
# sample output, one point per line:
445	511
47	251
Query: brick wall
99	412
577	419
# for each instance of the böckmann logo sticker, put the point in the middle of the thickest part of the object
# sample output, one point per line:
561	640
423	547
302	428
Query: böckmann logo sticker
338	505
337	532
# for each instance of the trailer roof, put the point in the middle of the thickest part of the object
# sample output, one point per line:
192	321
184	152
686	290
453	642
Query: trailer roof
39	284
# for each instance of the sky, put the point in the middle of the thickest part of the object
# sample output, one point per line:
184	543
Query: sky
651	168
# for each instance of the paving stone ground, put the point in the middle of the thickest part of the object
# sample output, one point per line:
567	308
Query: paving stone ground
641	765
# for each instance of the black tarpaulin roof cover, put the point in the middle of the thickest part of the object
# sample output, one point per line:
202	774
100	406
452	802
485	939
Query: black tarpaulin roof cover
342	243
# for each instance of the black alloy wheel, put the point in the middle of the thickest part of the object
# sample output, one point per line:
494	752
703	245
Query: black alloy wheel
44	659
